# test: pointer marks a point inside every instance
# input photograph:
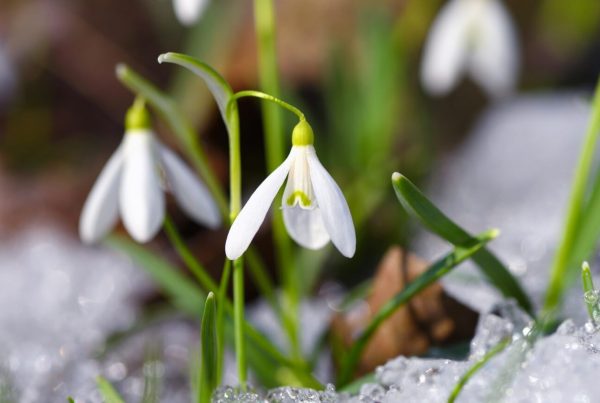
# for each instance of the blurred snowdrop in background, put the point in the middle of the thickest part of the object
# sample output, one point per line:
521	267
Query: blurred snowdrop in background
476	37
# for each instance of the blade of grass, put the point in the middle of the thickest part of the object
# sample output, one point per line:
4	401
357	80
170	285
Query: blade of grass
209	347
561	265
152	376
108	392
436	271
590	294
589	229
497	349
415	202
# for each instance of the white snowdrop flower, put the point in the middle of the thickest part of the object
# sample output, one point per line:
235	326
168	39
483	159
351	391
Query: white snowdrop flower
476	37
132	183
188	11
314	208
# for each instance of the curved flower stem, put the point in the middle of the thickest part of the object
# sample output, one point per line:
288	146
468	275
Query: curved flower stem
271	98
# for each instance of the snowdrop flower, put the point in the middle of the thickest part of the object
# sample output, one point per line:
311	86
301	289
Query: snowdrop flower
132	184
188	11
314	208
472	36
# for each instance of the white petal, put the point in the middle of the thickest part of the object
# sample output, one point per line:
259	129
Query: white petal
188	11
141	198
101	209
253	214
495	57
334	209
306	226
191	194
446	48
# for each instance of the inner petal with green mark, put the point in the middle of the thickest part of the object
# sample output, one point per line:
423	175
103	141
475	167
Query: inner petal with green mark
298	189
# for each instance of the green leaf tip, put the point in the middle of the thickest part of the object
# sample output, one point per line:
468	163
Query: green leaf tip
492	233
585	266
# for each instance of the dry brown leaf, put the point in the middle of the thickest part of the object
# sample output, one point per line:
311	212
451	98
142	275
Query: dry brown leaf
430	318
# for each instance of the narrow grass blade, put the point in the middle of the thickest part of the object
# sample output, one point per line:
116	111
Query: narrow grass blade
436	271
589	228
152	374
497	349
415	202
563	263
108	392
209	347
590	294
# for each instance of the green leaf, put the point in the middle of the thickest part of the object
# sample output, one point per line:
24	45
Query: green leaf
563	265
415	202
181	127
152	376
497	349
209	347
217	85
588	232
433	273
108	392
589	292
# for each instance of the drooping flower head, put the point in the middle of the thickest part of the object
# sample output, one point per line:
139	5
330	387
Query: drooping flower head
476	37
188	11
131	184
314	208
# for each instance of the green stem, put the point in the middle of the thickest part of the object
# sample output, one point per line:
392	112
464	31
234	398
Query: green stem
497	349
222	297
270	98
238	319
235	205
560	265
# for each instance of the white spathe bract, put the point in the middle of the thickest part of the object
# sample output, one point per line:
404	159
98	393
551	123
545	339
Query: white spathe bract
188	11
314	208
475	37
132	184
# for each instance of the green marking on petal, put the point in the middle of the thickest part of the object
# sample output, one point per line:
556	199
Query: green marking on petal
299	195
